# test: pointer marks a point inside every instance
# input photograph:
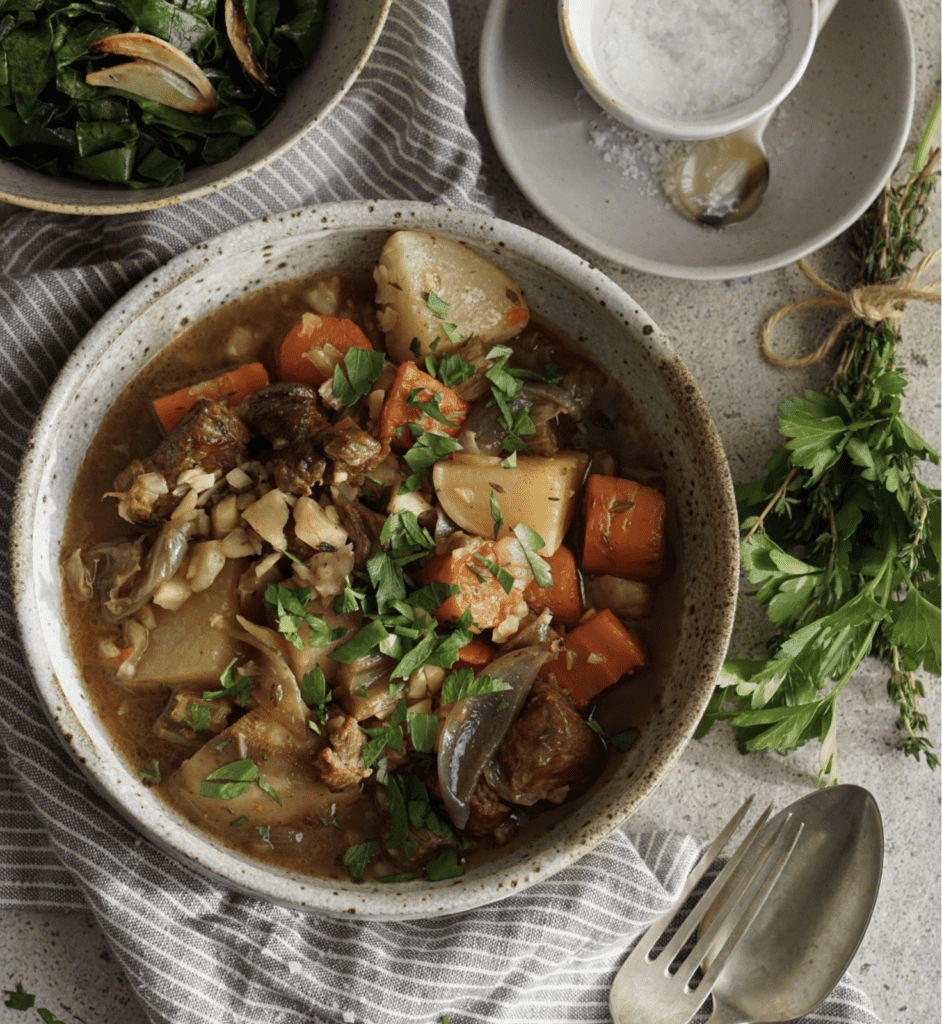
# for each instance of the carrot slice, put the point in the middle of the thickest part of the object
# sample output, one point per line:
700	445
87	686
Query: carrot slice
233	385
562	598
624	528
479	589
596	654
397	412
313	333
474	655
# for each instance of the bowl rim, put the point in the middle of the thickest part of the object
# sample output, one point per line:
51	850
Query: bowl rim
112	778
180	193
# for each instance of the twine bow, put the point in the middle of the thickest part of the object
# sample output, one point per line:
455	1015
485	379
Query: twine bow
871	303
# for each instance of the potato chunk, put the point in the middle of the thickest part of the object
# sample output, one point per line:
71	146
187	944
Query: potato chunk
540	492
483	300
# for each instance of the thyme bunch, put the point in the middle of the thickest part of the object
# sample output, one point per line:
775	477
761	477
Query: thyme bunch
841	539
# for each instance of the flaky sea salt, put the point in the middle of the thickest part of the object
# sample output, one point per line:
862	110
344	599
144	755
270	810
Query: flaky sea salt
684	58
640	158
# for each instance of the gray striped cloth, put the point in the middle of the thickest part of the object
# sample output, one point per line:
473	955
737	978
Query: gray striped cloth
194	951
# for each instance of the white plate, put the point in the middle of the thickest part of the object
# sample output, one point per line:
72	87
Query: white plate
832	146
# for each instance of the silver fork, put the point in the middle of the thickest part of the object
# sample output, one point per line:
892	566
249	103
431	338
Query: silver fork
645	991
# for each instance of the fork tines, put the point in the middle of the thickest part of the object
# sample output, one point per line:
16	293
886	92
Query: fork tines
732	901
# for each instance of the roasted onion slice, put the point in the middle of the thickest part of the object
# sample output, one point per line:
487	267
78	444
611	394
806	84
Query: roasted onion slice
476	727
159	72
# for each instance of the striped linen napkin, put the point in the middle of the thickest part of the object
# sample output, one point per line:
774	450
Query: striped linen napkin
195	951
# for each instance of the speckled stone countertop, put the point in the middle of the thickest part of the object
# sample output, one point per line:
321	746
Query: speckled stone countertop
714	325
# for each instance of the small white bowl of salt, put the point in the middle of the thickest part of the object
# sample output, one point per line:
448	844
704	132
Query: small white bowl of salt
688	69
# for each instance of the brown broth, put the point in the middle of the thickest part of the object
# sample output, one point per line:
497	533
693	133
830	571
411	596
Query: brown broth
129	430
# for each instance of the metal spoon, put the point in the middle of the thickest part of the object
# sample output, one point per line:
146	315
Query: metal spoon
723	180
805	936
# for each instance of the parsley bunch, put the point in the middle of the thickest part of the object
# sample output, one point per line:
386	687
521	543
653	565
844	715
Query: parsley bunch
841	538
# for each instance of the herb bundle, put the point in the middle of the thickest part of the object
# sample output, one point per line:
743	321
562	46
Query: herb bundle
52	121
841	538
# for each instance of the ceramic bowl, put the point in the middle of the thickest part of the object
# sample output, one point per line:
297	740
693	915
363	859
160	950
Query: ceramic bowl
590	311
351	30
582	27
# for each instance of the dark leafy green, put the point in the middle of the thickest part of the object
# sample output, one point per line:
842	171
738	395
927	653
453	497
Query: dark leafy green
53	122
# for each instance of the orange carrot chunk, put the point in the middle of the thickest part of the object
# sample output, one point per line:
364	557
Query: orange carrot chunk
479	589
474	655
562	598
596	654
233	385
397	413
303	356
624	528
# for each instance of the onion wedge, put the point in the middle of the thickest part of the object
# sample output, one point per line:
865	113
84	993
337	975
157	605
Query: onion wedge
159	72
476	727
237	28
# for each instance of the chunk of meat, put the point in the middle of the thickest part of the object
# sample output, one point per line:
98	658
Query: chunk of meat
489	816
209	436
548	751
341	763
284	413
300	466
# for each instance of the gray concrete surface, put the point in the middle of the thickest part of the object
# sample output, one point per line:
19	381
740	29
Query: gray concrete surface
64	959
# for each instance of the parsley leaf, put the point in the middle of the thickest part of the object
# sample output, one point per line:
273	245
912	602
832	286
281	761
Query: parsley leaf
231	780
445	865
501	575
153	775
530	541
464	683
238	689
19	999
199	717
356	858
363	367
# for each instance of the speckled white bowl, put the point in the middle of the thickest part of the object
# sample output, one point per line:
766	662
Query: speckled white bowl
351	29
590	310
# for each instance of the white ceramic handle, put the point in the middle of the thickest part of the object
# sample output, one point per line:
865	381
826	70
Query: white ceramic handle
825	7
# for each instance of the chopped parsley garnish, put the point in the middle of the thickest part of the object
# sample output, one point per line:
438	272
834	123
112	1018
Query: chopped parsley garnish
423	730
441	309
501	575
427	449
236	688
362	367
358	857
430	408
623	741
382	736
452	369
153	775
496	515
445	865
531	541
289	607
235	779
464	683
199	717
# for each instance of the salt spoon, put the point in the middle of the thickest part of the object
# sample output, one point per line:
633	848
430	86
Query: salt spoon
806	934
723	180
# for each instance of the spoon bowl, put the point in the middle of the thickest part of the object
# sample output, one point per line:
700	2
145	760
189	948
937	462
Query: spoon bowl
806	934
722	180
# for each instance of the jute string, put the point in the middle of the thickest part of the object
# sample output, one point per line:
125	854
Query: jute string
872	303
